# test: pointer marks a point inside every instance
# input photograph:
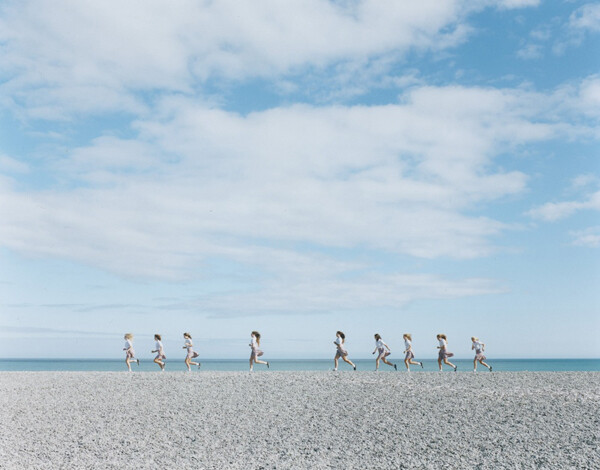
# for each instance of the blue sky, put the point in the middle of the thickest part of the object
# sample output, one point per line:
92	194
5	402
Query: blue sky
299	167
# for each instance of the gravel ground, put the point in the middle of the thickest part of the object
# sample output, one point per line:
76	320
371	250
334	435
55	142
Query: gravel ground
343	420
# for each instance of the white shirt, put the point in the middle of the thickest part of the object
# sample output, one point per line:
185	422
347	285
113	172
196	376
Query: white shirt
407	344
188	343
478	345
338	341
443	343
379	344
254	344
158	346
128	344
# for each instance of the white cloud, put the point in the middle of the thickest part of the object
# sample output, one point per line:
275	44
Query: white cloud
583	21
586	17
512	4
582	181
530	51
199	182
78	56
11	165
326	295
553	211
589	237
87	56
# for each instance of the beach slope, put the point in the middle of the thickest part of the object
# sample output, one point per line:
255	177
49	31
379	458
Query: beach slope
348	420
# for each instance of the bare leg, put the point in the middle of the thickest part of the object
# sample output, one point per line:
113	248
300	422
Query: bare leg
377	363
483	363
335	361
474	364
447	362
348	361
406	363
160	363
440	363
128	365
414	362
387	362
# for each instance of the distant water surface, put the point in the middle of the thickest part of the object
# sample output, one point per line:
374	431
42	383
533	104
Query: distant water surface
464	365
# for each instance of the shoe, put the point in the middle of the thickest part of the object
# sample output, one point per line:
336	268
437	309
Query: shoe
490	368
268	366
395	367
421	365
354	367
199	365
138	362
335	370
455	367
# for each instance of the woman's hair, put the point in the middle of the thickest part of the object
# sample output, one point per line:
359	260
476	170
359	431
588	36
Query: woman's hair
407	335
257	334
377	336
157	336
128	336
187	335
342	335
474	338
443	336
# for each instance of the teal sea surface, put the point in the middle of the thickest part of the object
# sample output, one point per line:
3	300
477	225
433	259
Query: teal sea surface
146	365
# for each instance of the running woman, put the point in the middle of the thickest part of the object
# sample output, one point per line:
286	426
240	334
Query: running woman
384	352
160	352
444	354
191	354
479	347
340	338
256	352
410	355
129	351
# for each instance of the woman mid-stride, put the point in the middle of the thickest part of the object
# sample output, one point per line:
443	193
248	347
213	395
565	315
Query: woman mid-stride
129	352
479	347
341	350
410	355
383	352
256	352
160	352
444	354
191	354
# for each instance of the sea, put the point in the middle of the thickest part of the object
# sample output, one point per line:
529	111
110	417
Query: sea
146	365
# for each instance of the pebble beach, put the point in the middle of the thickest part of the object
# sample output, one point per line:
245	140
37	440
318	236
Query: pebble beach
280	420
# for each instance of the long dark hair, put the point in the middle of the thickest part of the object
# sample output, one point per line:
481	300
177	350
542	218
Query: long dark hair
257	334
377	336
187	335
157	336
342	335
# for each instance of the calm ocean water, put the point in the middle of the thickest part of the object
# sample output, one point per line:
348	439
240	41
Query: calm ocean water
464	365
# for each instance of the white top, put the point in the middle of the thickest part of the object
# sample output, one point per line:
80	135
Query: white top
253	344
478	345
407	344
188	343
443	343
338	341
379	344
158	346
128	344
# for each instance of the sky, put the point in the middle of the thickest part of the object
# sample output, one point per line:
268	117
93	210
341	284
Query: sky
299	168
